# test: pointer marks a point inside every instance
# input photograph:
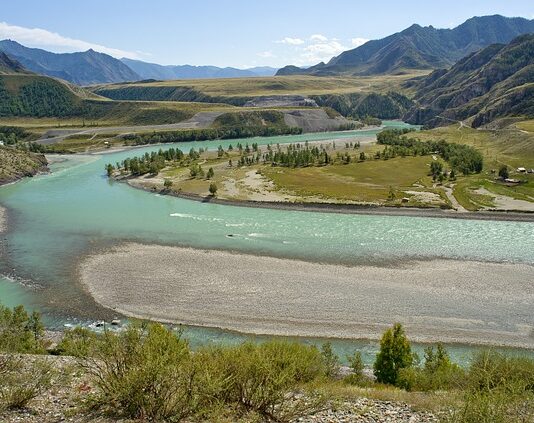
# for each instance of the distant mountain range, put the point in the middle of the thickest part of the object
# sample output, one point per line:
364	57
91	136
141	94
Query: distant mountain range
161	72
420	47
492	83
84	68
91	67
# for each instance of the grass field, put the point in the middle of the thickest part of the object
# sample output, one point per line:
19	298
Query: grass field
509	146
398	181
281	85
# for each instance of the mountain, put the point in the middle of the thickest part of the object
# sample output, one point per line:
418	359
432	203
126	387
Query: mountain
494	82
83	68
167	72
420	47
9	65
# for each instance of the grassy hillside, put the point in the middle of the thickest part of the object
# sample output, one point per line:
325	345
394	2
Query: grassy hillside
15	164
27	97
246	88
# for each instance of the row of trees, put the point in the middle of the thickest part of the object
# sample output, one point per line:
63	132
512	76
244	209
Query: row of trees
462	158
209	134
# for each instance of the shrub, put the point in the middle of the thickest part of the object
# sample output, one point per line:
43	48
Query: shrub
20	332
213	188
260	378
437	373
395	354
77	342
143	373
500	389
330	359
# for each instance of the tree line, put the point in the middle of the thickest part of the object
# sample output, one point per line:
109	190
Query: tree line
461	157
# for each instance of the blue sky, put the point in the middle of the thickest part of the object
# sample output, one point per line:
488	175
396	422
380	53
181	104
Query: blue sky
230	32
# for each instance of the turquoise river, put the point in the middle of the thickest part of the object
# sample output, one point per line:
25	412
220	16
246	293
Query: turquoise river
53	220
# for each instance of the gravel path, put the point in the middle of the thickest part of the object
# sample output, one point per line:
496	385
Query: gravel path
449	301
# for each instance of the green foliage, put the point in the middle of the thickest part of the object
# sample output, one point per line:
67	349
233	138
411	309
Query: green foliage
461	157
149	372
503	172
77	342
11	135
395	354
36	97
438	373
20	332
213	188
357	376
210	173
330	360
499	389
362	106
143	372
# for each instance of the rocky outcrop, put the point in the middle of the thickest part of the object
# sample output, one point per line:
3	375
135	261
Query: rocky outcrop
16	164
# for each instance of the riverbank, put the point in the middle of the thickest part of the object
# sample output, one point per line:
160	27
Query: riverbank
343	208
438	300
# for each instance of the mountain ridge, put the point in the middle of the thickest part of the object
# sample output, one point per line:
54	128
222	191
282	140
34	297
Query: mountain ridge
492	83
82	68
169	72
418	47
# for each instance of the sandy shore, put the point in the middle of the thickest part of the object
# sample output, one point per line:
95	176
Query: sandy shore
451	301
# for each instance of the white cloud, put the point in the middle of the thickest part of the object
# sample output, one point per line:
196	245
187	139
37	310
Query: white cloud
37	37
357	42
318	37
291	41
322	51
266	54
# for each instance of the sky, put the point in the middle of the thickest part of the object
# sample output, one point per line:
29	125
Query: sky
238	33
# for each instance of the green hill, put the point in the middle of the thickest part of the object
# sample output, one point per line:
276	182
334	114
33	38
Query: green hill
495	82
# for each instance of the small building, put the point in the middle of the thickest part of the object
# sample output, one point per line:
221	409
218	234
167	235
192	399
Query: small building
1	142
512	181
521	170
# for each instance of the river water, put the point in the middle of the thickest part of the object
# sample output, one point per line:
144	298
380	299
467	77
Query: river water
55	219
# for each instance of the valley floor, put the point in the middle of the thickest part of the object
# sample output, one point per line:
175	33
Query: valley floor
438	300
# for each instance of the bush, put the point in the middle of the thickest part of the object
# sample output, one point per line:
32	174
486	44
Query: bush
260	378
395	354
149	372
20	332
77	342
438	373
143	373
500	389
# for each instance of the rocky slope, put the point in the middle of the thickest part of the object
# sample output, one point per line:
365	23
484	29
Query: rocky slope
495	82
16	164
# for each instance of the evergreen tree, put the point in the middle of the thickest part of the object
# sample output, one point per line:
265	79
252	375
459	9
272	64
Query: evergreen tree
395	354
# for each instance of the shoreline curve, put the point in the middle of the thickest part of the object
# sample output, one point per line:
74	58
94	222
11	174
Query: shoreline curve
439	300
